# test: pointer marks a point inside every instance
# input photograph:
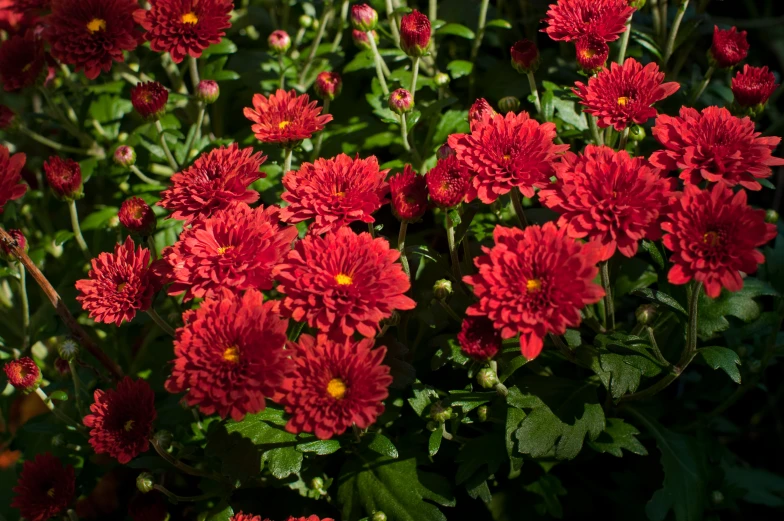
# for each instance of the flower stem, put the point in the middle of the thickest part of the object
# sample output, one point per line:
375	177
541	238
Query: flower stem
703	85
54	144
143	177
77	230
25	307
609	306
377	58
597	137
534	91
194	68
401	246
77	388
404	132
320	138
517	204
624	139
480	34
432	10
196	131
165	146
325	16
625	41
392	22
287	159
450	237
160	322
676	23
151	247
282	72
414	75
179	465
44	398
341	26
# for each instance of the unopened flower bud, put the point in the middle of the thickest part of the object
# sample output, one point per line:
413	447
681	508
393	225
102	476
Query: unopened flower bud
163	439
717	497
363	17
361	39
23	374
125	156
771	216
328	85
305	21
637	4
415	33
378	515
68	349
729	47
279	42
487	378
149	100
645	314
62	366
509	104
137	216
401	101
208	91
64	177
145	482
58	440
636	133
442	289
8	120
482	412
317	483
19	241
441	79
439	413
525	56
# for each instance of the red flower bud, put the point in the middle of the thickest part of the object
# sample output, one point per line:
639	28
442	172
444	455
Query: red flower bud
23	374
328	85
149	99
401	101
363	17
447	182
592	53
525	56
480	112
753	86
8	119
21	243
279	41
729	47
361	39
408	192
65	178
125	156
415	33
207	91
137	216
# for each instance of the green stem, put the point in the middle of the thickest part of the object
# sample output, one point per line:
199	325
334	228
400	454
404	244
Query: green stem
393	23
194	68
165	146
151	247
287	159
196	130
597	137
401	246
624	139
517	204
703	85
480	34
414	75
371	230
320	138
54	144
77	230
534	91
432	10
377	58
25	307
179	465
450	311
77	389
143	177
47	401
161	322
676	23
341	26
404	132
655	346
609	305
325	15
282	72
625	41
450	236
174	498
663	8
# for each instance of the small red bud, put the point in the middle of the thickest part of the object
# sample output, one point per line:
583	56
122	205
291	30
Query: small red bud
125	156
149	100
401	101
137	216
361	39
363	17
415	33
328	85
408	192
729	48
23	374
279	41
207	91
525	56
8	119
64	177
753	86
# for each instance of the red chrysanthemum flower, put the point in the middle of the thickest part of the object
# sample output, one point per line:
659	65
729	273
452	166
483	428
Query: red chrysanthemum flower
21	61
448	182
235	248
119	284
408	193
64	177
334	192
122	418
22	6
149	100
137	216
245	517
328	85
569	20
624	94
309	518
23	374
415	33
335	385
507	152
214	181
716	146
148	507
713	235
608	197
285	118
184	27
11	185
525	56
753	86
92	34
534	282
45	488
729	47
480	112
591	52
230	355
479	338
342	283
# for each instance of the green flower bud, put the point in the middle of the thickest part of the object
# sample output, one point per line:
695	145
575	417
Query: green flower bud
636	133
487	378
442	79
645	314
145	482
442	289
163	439
482	412
440	413
771	216
378	516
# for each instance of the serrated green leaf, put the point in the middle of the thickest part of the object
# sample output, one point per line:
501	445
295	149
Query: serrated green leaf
616	436
468	400
363	60
566	110
761	486
222	512
456	30
450	122
549	488
722	358
514	418
660	297
459	68
382	445
740	304
483	455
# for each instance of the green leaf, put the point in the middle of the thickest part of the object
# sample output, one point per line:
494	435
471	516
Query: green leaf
225	46
382	445
740	304
450	351
222	512
59	396
62	236
450	122
514	418
761	487
566	110
459	68
457	30
479	459
549	488
722	358
97	219
616	436
363	60
661	298
434	442
320	447
500	23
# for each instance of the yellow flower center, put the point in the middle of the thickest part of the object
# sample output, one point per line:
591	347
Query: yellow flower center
588	53
711	238
95	25
50	492
533	285
223	249
190	18
27	67
623	101
336	388
507	157
343	280
128	425
283	124
340	194
121	286
232	354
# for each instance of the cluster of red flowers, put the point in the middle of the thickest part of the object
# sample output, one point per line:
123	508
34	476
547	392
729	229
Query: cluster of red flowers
250	517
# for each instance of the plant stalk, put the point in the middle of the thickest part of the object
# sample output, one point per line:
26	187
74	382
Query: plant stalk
480	34
379	70
703	85
160	322
77	388
609	305
534	91
450	236
401	246
414	75
287	159
325	16
676	23
77	230
625	41
517	204
404	132
194	69
392	23
165	146
143	177
320	138
25	307
54	144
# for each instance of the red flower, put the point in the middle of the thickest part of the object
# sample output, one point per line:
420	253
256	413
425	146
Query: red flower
591	52
7	117
569	20
309	518
137	216
714	145
480	112
534	282
236	248
753	86
23	374
328	85
11	185
22	6
507	152
64	177
285	118
401	101
121	422
212	182
230	354
729	47
525	56
363	17
21	61
334	192
608	197
245	517
448	182
92	34
335	385
624	94
45	488
479	338
149	100
409	195
415	33
713	235
119	285
184	27
21	243
343	282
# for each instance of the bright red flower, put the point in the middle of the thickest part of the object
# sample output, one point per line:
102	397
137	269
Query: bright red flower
21	61
608	197
149	100
64	177
23	374
415	32
479	338
309	518
624	94
214	181
184	27
448	182
334	192
335	385
408	192
137	216
230	354
121	423
753	86
235	248
713	235
480	112
285	118
569	20
507	152
45	488
119	284
729	47
534	282
328	85
716	146
342	283
245	517
592	53
11	185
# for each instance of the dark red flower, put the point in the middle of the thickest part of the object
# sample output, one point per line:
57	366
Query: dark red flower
570	20
137	216
448	182
363	17
184	27
342	283
279	41
125	156
21	61
23	374
335	385
245	517
7	117
285	118
45	488
119	284
716	146
64	177
525	56
92	34
753	86
148	507
480	112
309	518
608	197
230	355
334	192
534	282
507	152
479	338
214	181
149	99
328	85
236	248
624	94
591	52
713	235
415	33
22	6
11	185
21	243
121	420
408	192
729	47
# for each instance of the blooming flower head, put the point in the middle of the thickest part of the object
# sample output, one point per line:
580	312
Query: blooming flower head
23	374
184	27
716	146
149	100
363	17
119	284
448	182
121	420
534	282
335	385
479	338
624	94
11	185
45	488
328	85
729	47
334	192
342	283
230	355
525	56
415	33
21	61
507	152
401	101
408	192
753	86
480	112
64	177
92	34
279	41
591	52
713	235
285	118
570	20
236	248
137	216
245	517
214	181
